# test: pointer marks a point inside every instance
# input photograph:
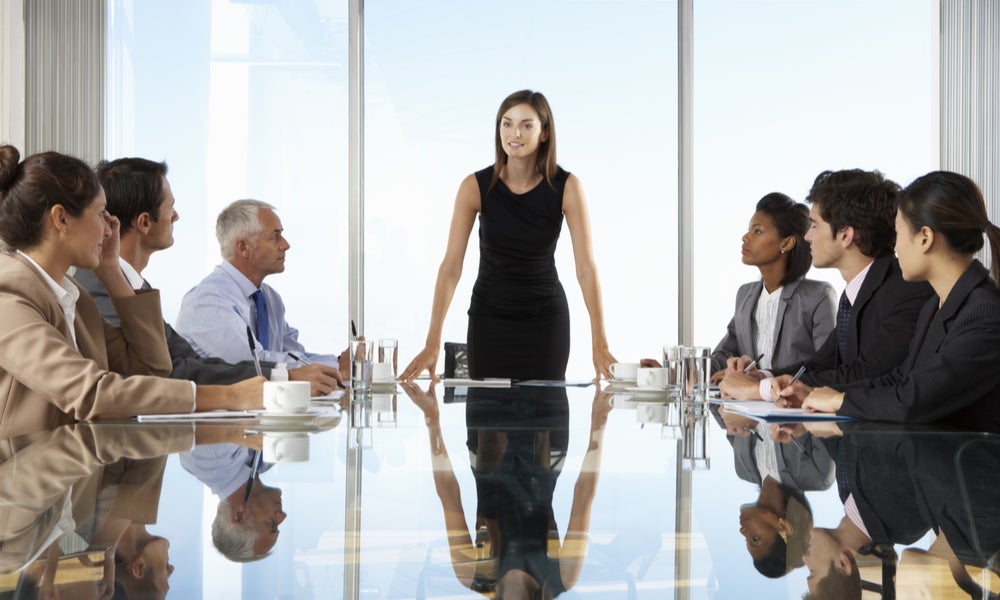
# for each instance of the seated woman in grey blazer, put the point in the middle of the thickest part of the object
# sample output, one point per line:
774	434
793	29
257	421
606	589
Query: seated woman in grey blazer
59	361
782	318
951	373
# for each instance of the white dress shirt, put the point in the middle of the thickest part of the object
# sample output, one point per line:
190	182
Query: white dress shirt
66	294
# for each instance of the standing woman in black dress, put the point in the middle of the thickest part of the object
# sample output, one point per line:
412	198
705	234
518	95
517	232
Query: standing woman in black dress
518	316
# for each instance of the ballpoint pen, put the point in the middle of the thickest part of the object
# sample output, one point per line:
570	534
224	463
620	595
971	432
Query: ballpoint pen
354	330
798	374
753	363
255	456
296	358
253	352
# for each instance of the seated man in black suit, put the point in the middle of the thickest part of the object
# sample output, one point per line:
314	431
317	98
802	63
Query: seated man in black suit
853	230
139	194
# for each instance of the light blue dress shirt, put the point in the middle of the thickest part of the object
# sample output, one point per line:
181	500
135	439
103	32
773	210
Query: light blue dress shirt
224	468
215	314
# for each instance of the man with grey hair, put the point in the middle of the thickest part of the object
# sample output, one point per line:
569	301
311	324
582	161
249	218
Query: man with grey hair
216	314
246	522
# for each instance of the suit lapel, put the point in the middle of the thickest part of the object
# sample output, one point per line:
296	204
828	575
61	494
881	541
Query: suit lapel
786	297
873	280
744	320
937	329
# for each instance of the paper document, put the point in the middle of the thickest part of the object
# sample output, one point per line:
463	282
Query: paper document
195	416
768	411
334	395
464	382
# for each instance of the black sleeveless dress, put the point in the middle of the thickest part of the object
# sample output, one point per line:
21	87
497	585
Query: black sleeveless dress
518	317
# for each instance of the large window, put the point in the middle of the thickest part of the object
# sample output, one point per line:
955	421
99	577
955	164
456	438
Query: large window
243	100
435	75
784	91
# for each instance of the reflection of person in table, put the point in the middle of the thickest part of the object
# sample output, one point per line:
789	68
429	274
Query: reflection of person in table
517	446
80	498
518	316
783	318
951	372
783	462
243	530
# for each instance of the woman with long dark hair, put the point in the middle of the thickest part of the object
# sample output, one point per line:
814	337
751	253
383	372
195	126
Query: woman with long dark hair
518	316
951	372
783	318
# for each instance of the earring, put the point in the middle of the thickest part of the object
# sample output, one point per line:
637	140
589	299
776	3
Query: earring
782	251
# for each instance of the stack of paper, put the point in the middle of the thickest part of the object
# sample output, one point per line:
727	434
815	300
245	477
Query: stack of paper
767	411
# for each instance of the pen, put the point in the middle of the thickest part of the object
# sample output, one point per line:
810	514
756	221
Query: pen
254	466
798	374
253	352
753	363
299	360
354	330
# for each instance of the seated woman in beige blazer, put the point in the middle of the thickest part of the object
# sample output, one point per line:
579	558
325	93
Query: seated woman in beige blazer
782	318
59	361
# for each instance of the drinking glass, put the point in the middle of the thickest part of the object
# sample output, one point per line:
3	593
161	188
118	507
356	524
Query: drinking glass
697	366
361	364
387	354
695	452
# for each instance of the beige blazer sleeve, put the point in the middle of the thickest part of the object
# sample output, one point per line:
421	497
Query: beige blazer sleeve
45	381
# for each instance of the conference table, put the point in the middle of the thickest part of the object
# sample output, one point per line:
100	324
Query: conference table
426	491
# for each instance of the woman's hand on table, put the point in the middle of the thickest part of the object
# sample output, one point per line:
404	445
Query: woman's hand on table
426	359
603	359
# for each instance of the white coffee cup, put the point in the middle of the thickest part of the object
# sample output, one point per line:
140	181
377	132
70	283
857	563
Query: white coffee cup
624	371
651	413
382	373
286	447
651	378
286	396
382	403
622	401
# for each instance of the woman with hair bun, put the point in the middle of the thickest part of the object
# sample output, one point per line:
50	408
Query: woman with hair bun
59	361
951	373
783	318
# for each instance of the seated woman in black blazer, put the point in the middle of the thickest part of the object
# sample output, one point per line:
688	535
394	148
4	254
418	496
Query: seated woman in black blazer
952	373
782	317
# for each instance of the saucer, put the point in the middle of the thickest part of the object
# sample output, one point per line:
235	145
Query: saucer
651	391
305	416
283	428
620	383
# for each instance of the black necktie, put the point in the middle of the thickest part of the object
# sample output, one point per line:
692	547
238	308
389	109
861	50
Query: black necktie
843	316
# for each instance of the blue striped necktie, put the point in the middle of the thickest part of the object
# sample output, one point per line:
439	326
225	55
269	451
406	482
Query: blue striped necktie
260	302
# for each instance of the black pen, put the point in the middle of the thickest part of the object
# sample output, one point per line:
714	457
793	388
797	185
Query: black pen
354	330
301	361
753	363
253	352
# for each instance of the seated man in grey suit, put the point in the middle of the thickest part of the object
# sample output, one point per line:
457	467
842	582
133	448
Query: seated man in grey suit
139	194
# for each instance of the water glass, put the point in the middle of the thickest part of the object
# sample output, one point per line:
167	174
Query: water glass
672	425
672	362
697	367
361	410
695	446
387	354
361	364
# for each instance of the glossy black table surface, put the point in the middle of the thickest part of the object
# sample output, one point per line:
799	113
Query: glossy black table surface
454	493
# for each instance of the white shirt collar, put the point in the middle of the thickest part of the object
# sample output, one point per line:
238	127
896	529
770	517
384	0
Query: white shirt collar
854	285
66	295
134	278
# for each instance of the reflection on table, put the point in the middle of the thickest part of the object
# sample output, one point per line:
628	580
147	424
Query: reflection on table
543	492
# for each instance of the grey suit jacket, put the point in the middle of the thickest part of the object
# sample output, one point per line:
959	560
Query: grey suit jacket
186	362
806	317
